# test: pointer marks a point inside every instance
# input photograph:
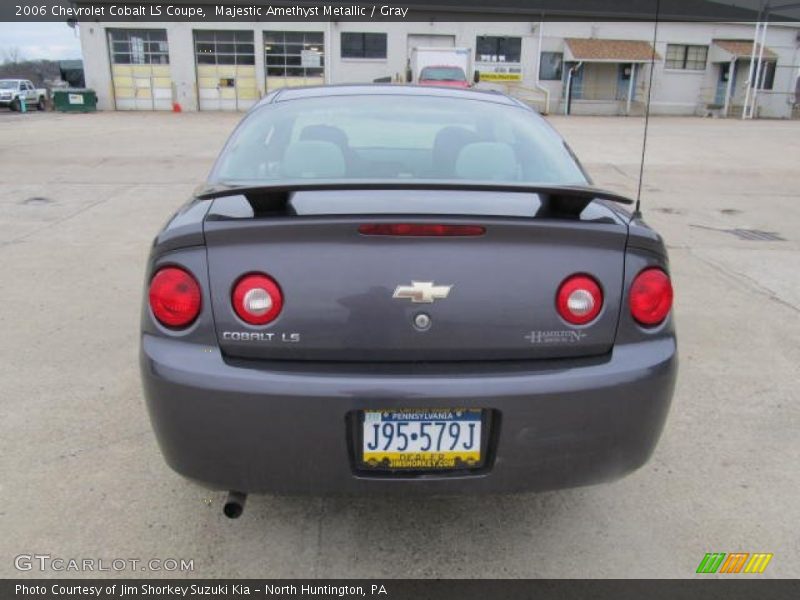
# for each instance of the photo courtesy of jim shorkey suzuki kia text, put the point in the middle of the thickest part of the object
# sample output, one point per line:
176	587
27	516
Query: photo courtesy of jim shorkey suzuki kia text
220	11
124	590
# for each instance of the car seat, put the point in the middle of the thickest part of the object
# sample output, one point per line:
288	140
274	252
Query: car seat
446	147
333	135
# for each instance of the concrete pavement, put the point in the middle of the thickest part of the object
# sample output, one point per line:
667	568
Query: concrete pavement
81	197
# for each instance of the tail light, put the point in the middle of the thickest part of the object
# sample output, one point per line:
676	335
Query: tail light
579	299
257	299
174	297
421	229
650	297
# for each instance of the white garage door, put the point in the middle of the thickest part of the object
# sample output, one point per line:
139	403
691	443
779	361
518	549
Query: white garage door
140	71
294	58
226	72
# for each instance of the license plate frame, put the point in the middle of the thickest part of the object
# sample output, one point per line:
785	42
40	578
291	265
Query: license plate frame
386	468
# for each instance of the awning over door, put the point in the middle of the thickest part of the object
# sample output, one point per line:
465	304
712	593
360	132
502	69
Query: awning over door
615	51
726	50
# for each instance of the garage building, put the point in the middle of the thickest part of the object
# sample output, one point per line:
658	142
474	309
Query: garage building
580	67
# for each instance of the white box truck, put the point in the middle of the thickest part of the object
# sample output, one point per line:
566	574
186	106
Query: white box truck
448	67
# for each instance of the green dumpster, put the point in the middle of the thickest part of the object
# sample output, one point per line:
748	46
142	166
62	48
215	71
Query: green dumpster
75	100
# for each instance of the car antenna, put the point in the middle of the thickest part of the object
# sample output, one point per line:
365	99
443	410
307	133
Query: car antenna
637	212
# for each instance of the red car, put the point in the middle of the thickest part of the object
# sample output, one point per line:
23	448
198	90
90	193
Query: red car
446	76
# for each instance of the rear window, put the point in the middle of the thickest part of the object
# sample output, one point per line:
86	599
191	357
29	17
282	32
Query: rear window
395	137
442	74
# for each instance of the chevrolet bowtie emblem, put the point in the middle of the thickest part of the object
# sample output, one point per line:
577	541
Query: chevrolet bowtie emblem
421	291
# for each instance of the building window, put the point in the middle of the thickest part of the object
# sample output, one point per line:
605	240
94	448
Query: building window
363	45
139	46
224	48
551	66
294	53
490	48
690	58
767	75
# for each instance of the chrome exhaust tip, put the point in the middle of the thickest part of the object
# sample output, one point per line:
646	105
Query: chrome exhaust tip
234	504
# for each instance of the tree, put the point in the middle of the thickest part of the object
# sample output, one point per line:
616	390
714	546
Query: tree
12	55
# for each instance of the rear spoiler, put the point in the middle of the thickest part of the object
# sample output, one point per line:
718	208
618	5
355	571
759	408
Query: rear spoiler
274	198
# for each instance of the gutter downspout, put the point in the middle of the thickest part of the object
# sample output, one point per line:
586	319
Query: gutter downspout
750	72
568	96
630	90
328	47
729	87
753	104
536	84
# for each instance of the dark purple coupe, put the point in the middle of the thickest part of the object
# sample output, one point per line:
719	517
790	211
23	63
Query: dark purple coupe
403	290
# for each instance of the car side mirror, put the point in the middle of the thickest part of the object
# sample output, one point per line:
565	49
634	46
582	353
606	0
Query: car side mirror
476	77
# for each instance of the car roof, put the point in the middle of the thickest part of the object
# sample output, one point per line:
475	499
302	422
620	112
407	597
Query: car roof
387	89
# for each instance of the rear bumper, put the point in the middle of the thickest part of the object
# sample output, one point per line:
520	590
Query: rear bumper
285	430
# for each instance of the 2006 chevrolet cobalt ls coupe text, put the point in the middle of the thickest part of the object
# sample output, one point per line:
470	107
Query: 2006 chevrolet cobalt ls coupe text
403	289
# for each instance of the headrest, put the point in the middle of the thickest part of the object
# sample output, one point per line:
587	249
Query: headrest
324	133
313	160
487	161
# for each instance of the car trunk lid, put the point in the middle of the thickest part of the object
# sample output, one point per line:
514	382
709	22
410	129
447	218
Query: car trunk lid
349	296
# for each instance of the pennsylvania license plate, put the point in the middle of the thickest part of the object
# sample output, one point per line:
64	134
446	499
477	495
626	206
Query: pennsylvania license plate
422	438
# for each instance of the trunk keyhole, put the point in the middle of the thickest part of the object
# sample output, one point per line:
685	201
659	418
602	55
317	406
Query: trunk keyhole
422	322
